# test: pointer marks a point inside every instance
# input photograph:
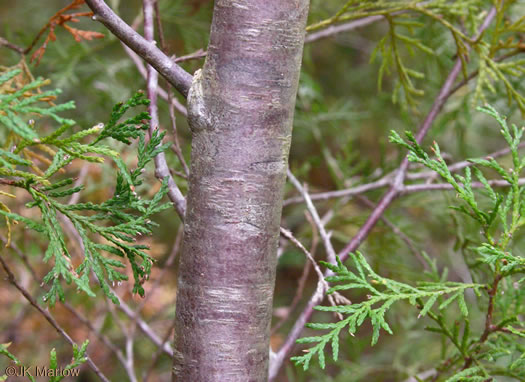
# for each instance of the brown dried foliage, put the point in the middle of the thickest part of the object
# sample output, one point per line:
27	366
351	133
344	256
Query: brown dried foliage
61	19
19	81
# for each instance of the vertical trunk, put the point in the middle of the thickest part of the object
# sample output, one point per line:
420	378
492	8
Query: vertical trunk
240	111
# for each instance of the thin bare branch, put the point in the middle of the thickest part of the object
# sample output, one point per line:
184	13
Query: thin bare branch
142	70
158	353
383	204
49	318
173	73
336	29
7	44
161	167
278	359
22	256
422	376
397	232
165	268
287	234
103	338
192	56
387	180
302	280
297	297
330	252
143	326
176	146
380	183
80	181
129	353
397	184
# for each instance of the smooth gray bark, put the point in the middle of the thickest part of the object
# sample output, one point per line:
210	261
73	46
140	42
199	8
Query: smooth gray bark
240	110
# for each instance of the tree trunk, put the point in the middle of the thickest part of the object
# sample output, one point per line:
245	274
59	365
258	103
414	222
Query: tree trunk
240	111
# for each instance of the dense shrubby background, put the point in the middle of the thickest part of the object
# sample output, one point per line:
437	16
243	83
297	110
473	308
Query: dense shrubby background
340	139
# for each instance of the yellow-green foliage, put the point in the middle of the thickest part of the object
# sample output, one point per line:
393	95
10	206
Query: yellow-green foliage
490	55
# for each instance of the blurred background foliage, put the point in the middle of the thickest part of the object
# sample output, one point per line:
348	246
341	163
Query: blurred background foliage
340	139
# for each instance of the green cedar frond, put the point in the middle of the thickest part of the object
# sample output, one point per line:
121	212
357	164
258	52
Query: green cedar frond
391	59
488	55
130	128
492	255
472	374
505	213
5	352
110	227
27	100
498	349
501	204
491	71
382	294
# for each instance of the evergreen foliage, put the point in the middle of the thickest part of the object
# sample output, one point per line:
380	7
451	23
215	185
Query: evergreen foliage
107	230
495	349
382	293
490	55
411	47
